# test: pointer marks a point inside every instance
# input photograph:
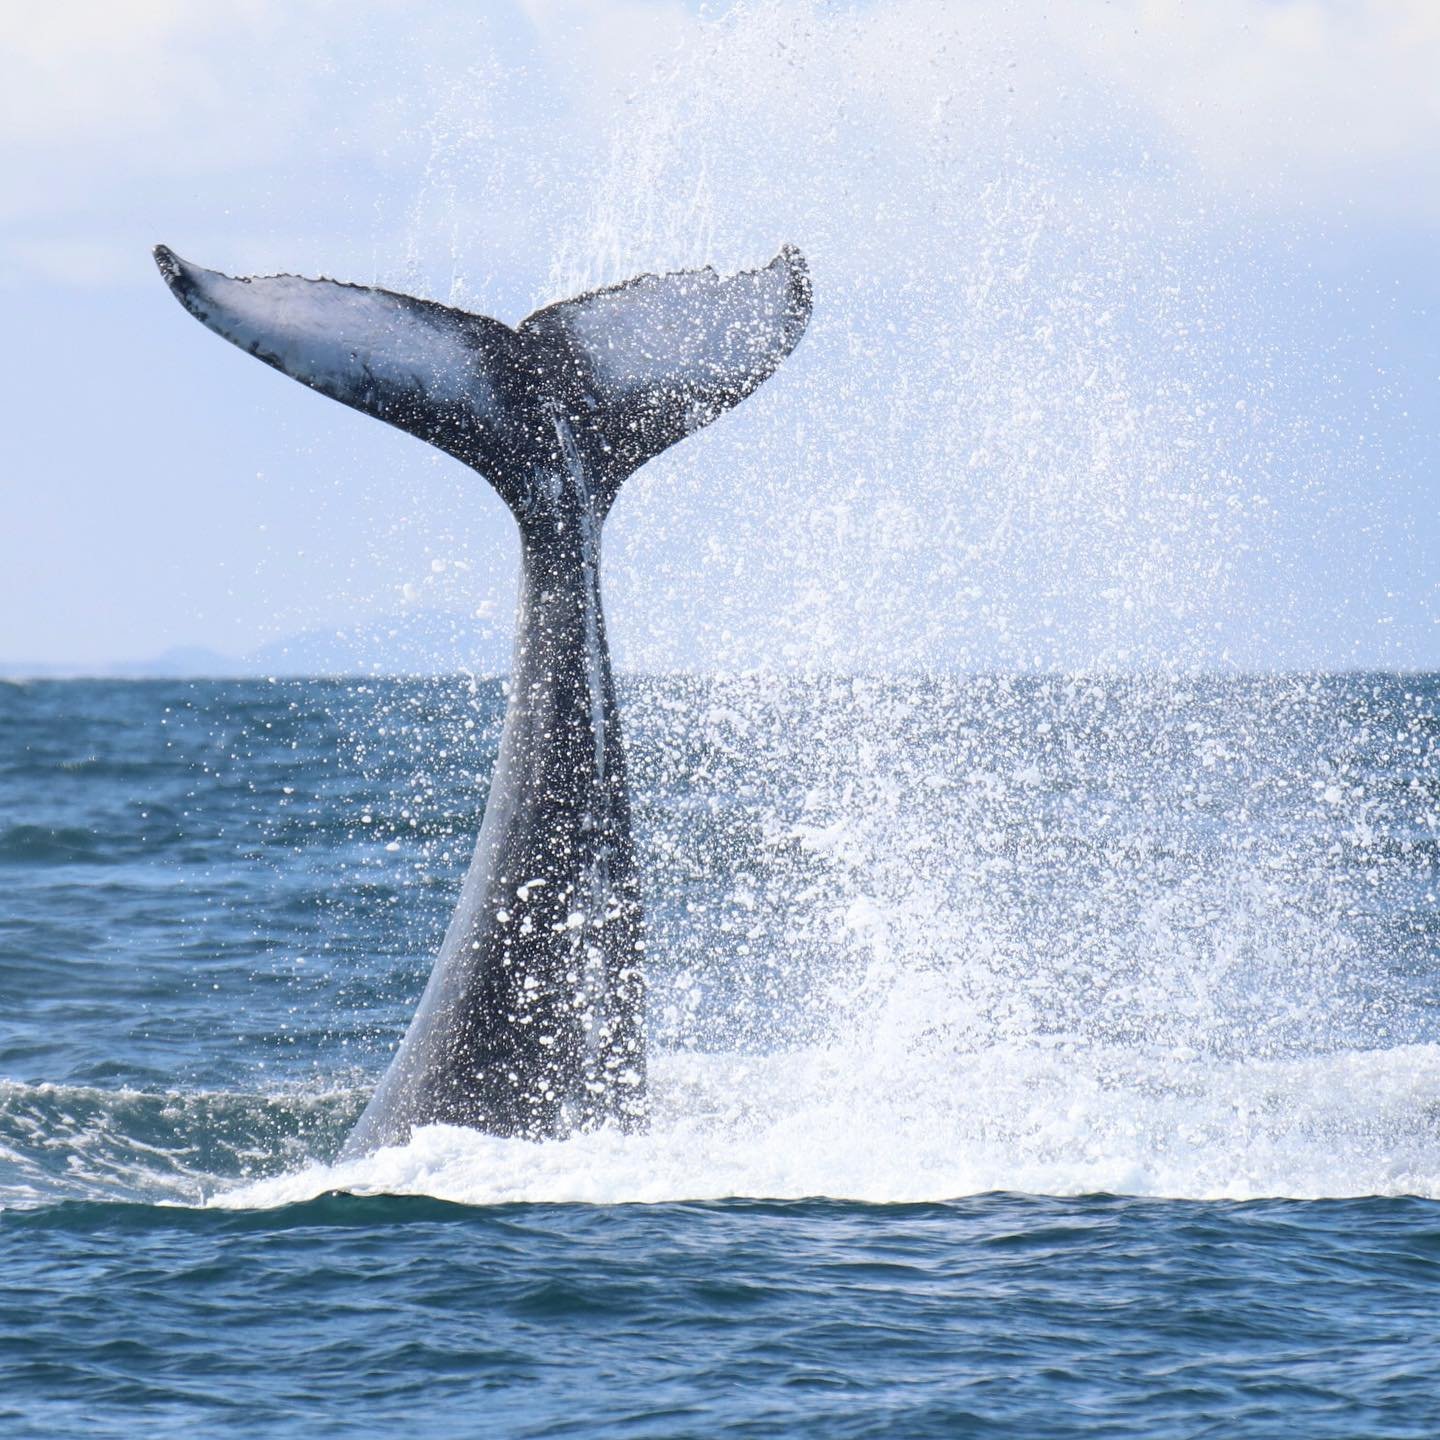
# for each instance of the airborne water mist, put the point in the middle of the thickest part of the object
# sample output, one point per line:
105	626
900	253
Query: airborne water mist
977	861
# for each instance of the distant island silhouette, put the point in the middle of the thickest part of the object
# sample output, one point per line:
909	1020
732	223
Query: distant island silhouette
411	642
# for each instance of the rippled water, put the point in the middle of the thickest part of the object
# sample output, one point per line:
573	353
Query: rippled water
1047	1056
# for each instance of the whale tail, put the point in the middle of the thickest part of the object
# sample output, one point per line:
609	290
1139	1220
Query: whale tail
632	368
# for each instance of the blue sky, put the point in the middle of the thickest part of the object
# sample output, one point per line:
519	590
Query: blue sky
1124	354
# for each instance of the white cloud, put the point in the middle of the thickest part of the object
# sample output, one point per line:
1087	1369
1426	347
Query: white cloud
1288	102
1303	98
142	73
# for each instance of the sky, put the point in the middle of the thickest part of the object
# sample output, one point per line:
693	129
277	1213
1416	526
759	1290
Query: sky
1124	351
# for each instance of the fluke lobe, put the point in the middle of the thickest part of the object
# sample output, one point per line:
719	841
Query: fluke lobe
533	1020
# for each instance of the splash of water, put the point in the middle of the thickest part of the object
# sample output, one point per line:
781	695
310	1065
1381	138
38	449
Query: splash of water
1080	932
919	935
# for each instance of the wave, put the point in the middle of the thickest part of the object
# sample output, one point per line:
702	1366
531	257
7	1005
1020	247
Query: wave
37	844
83	1143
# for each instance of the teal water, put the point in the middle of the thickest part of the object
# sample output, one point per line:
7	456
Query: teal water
1032	1057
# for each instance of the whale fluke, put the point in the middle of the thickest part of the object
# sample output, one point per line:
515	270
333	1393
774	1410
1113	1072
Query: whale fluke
666	354
633	367
532	1023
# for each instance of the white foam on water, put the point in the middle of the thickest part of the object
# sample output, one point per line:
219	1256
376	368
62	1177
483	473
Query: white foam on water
1045	1119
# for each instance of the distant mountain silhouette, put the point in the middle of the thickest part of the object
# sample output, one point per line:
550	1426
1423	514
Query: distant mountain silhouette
415	642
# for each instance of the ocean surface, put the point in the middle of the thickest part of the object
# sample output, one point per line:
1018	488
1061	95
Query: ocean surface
1032	1056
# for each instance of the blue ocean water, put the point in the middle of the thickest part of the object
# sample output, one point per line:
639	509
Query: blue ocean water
1049	1056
